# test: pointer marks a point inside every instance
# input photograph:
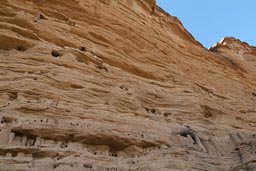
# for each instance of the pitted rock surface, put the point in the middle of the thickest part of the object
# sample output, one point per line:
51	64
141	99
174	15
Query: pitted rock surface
120	85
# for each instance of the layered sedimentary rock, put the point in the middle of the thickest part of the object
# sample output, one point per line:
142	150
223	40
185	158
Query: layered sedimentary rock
110	85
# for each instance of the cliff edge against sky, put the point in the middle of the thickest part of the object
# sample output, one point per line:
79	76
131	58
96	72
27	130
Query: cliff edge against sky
112	86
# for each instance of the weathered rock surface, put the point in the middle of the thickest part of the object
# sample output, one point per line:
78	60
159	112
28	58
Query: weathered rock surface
110	85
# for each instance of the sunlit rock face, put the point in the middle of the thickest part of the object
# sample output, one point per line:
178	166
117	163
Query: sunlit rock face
116	86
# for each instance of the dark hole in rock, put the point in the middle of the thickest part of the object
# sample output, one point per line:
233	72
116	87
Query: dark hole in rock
254	94
14	154
166	114
83	49
89	166
153	110
71	137
208	115
56	54
124	88
147	109
95	153
102	67
7	119
13	95
42	17
31	140
20	48
2	153
63	145
76	86
208	112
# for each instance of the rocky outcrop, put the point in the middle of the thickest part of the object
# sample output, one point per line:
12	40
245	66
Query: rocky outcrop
111	85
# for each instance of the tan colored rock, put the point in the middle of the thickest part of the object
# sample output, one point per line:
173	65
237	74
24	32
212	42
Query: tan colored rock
120	102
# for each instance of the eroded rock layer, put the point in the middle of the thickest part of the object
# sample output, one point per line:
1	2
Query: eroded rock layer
120	85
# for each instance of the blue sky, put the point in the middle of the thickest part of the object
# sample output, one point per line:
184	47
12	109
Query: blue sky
208	21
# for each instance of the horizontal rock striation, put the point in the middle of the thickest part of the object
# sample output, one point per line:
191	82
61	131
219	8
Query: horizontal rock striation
120	86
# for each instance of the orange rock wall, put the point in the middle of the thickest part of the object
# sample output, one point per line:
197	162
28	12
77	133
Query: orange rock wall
109	85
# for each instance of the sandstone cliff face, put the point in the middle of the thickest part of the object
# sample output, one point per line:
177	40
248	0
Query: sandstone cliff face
109	85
